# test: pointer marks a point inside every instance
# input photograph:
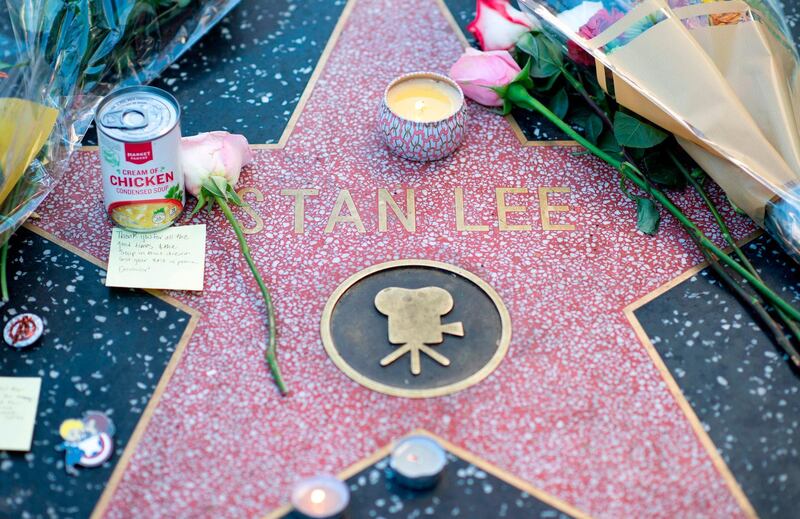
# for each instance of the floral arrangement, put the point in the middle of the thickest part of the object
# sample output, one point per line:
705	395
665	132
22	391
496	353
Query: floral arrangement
537	72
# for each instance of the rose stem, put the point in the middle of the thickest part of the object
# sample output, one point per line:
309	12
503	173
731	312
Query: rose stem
3	262
790	324
518	95
753	302
585	95
270	352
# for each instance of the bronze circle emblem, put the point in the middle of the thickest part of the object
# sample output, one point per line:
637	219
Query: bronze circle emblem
416	328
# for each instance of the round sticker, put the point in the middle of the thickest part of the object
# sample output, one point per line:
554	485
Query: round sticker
23	330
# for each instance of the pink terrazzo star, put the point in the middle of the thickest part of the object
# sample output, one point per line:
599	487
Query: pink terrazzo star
577	408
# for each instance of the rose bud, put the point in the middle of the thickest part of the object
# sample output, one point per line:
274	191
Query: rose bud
478	72
214	153
498	25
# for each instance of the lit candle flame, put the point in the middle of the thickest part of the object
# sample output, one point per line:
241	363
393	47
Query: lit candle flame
419	106
317	496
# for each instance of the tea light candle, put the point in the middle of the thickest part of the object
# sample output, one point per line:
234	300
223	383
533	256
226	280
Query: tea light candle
422	116
418	462
423	99
320	497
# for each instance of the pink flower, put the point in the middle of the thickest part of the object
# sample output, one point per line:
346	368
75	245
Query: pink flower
498	25
576	53
599	22
214	153
477	72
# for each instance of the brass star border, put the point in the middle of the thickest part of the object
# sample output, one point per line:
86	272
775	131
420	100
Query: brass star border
675	389
465	455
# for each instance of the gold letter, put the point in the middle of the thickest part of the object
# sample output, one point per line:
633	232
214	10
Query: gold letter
503	209
545	208
460	225
259	226
409	220
299	206
336	215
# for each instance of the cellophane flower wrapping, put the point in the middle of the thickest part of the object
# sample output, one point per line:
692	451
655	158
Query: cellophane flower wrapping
720	75
58	58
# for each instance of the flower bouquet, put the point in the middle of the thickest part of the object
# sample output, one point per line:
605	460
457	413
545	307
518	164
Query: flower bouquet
665	93
719	75
67	55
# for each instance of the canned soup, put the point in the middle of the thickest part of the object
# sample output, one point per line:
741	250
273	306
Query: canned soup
139	137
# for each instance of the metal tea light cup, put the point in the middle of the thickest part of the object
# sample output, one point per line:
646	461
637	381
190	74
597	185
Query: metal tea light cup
320	497
417	462
422	141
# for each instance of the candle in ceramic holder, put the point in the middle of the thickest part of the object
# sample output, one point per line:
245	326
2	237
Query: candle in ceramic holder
320	497
423	116
417	462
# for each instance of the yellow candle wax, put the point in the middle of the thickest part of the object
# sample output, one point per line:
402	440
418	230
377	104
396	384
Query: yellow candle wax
423	100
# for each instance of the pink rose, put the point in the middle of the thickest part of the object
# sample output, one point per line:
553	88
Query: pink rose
498	25
477	72
214	153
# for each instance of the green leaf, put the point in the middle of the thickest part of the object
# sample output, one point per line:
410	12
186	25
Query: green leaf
660	169
632	132
527	44
548	83
590	83
549	58
524	77
698	175
608	143
234	197
647	217
591	123
546	55
559	104
507	106
201	202
500	91
222	184
212	187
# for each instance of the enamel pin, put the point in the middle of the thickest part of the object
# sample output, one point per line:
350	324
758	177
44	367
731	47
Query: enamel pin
88	442
23	330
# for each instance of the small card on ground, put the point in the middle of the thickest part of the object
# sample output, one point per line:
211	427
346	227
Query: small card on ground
19	399
172	259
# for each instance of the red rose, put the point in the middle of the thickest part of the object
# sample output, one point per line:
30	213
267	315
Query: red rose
498	25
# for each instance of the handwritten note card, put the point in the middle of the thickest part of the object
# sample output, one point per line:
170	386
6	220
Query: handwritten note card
172	259
19	399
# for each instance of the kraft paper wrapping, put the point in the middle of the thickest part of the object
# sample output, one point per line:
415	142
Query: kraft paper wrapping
727	92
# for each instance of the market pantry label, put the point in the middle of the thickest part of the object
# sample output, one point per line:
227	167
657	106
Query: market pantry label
516	209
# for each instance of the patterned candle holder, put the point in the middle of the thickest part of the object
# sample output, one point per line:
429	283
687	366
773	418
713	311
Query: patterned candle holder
426	140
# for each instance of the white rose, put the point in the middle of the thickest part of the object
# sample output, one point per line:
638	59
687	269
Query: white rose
214	153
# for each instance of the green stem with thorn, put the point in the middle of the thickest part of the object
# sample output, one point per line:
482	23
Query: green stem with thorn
726	233
270	352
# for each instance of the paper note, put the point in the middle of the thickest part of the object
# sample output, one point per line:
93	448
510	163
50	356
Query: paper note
172	259
19	399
